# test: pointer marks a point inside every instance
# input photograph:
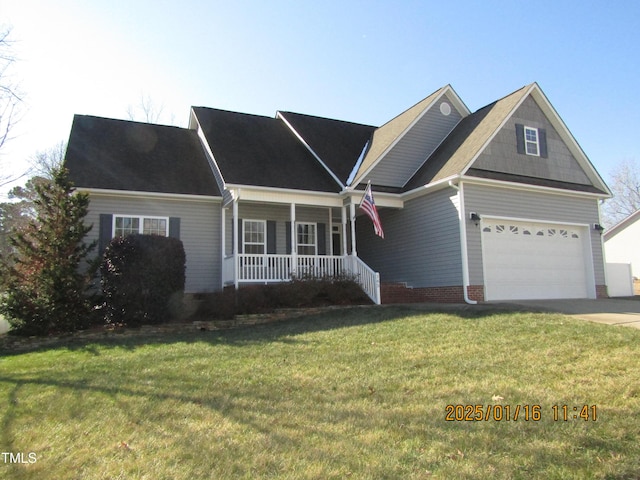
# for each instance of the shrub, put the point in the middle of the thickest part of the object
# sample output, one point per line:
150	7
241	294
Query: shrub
143	279
312	292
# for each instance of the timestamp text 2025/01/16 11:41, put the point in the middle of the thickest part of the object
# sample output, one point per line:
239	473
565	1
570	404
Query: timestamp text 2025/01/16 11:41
508	413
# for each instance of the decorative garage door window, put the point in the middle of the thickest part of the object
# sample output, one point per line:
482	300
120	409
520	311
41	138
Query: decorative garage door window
530	230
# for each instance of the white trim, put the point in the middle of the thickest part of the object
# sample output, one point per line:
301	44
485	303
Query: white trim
285	195
356	167
223	235
383	199
302	140
529	186
159	195
234	244
352	211
429	187
141	223
217	173
344	229
530	142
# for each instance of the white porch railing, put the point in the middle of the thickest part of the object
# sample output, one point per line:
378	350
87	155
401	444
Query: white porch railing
259	268
368	279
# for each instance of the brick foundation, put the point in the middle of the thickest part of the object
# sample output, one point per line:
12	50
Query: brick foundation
601	291
400	293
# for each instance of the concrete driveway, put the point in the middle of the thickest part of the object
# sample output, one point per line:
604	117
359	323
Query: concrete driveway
612	311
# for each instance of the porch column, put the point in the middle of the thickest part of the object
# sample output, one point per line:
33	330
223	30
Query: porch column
223	243
344	230
330	231
236	241
352	206
294	241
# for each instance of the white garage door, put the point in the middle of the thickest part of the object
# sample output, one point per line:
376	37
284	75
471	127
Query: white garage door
534	260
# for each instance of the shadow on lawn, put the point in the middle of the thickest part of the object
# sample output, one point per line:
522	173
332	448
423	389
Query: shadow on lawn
280	331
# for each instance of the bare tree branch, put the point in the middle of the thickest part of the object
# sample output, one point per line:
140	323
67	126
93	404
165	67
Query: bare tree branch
625	186
145	111
46	162
10	99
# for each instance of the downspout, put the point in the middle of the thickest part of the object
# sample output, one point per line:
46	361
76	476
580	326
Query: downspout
604	257
463	244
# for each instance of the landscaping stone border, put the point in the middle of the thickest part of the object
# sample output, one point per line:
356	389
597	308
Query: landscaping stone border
10	343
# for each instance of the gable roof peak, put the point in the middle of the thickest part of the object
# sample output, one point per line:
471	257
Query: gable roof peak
473	134
389	134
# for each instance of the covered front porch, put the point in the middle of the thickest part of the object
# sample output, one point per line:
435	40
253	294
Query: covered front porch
267	240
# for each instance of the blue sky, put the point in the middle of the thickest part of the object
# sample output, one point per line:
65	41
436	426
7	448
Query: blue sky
351	60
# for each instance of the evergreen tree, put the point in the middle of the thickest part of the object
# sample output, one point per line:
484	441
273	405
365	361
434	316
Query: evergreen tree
46	278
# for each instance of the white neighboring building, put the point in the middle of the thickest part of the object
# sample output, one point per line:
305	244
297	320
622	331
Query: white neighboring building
622	243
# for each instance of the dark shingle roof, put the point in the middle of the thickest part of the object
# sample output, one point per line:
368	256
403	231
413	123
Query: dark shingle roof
337	143
125	155
261	151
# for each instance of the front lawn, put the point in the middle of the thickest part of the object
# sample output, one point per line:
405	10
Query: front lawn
357	393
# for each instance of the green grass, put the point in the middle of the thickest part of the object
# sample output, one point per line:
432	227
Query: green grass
358	393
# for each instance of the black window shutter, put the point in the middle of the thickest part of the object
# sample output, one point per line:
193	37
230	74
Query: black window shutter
271	236
322	239
520	138
174	227
240	249
106	231
288	237
542	140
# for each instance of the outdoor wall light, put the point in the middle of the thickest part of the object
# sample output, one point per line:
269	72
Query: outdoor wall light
598	227
475	218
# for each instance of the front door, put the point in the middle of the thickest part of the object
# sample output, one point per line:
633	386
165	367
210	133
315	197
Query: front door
336	239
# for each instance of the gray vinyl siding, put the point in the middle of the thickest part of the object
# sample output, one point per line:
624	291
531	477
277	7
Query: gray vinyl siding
281	214
406	157
529	205
422	242
199	231
501	154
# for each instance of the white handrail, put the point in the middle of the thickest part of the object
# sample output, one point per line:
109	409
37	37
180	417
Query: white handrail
368	279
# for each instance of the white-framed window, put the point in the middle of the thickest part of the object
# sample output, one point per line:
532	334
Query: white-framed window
128	224
254	236
531	141
307	238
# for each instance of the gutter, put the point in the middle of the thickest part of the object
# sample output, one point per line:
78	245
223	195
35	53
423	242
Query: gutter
463	244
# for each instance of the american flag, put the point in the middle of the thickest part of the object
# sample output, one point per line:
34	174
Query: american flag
368	205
